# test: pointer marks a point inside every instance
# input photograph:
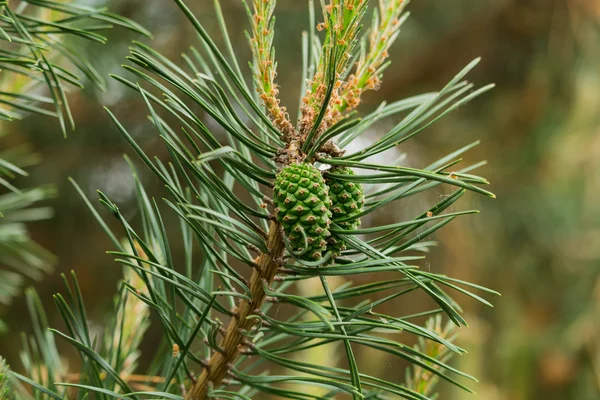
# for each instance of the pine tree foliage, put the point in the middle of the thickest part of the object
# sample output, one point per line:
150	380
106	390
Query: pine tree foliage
221	337
6	392
419	379
37	68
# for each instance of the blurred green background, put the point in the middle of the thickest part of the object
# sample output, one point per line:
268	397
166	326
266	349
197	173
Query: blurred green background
538	243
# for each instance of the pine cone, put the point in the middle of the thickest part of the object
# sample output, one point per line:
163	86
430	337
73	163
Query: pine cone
348	199
302	207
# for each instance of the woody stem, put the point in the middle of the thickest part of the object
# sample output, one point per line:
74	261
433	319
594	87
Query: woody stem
218	365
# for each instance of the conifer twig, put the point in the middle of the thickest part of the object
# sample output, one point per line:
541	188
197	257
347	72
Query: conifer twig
420	379
218	365
265	67
370	66
5	387
130	323
342	24
226	216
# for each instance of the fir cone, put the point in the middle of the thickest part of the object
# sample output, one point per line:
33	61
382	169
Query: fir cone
347	201
302	207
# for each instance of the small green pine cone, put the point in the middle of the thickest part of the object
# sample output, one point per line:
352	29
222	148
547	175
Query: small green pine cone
302	207
347	201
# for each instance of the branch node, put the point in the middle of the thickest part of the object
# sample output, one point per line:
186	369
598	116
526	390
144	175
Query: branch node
268	200
253	248
280	261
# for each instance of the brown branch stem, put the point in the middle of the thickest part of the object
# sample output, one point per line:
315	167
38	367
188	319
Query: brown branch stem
218	365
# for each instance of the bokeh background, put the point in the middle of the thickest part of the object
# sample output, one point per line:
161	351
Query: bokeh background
538	243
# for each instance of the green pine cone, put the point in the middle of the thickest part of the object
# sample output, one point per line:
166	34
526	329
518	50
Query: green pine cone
302	207
347	201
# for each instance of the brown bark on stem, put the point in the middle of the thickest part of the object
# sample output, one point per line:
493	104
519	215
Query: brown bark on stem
219	363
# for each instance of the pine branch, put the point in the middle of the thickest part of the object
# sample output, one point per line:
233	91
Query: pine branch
420	379
288	206
36	56
265	67
35	59
371	63
342	20
126	331
220	363
6	392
